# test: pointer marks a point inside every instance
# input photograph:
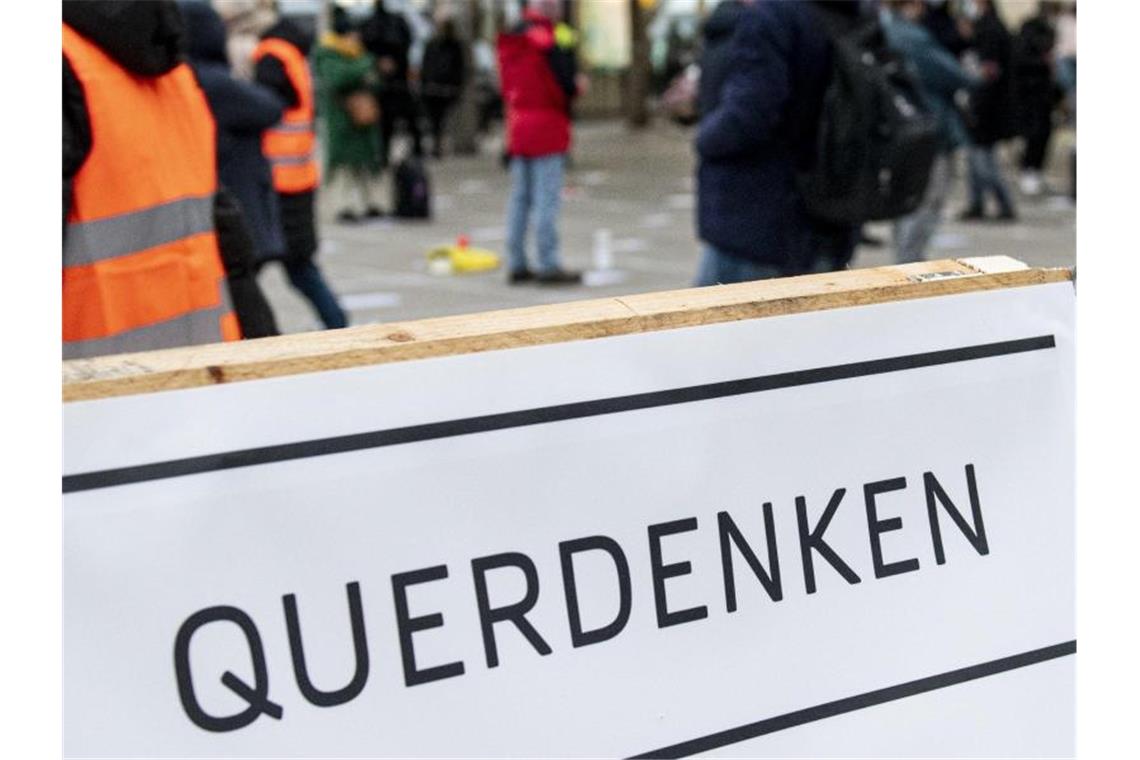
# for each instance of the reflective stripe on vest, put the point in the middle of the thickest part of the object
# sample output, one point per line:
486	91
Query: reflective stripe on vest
194	328
100	239
290	145
290	160
299	127
141	267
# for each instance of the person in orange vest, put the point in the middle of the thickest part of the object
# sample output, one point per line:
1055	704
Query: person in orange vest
279	64
142	265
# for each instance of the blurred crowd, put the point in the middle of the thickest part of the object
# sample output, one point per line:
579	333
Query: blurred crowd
197	134
191	152
757	89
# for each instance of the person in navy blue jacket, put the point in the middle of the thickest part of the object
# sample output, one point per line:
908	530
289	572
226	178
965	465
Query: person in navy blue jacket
242	111
750	216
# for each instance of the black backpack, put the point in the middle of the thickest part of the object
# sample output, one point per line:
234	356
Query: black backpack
876	139
412	190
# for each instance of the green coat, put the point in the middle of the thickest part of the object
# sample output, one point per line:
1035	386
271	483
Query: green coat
345	143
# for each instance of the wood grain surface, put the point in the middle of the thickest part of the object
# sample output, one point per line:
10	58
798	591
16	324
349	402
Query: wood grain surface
190	367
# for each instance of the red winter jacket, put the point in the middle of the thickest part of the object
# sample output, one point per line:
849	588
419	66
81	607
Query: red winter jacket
537	107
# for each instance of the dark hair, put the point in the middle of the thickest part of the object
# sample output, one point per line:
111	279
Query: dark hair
341	22
446	29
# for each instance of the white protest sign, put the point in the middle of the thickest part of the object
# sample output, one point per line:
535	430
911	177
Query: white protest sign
846	532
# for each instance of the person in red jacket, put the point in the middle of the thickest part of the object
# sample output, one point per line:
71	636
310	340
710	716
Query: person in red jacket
539	78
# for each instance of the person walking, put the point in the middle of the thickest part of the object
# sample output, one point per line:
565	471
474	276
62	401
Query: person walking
1035	91
388	38
141	262
279	64
442	76
940	77
347	74
991	112
539	80
250	220
751	219
1065	54
242	112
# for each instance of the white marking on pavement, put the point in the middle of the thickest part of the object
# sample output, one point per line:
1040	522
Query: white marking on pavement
472	186
657	220
369	301
660	266
600	278
630	245
622	207
680	201
488	234
949	241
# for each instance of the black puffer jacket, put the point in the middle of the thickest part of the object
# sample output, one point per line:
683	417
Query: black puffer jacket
444	69
149	39
1034	85
992	117
387	35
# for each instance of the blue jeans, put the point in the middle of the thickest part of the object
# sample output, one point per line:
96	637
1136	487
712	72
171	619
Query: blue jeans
720	268
536	188
985	175
1066	73
306	278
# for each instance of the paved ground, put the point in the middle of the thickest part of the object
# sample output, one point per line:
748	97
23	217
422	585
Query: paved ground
636	185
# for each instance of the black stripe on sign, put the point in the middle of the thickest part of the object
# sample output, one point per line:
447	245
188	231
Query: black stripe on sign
862	701
87	481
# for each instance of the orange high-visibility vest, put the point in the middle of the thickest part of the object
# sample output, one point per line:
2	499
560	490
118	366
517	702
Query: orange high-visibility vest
141	267
289	145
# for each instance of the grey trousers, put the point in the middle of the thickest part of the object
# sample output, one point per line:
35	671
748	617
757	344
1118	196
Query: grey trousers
912	233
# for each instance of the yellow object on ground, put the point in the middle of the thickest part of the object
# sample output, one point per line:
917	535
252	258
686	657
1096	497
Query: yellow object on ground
459	259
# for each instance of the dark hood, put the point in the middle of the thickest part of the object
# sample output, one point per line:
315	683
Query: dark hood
722	23
291	32
206	32
145	37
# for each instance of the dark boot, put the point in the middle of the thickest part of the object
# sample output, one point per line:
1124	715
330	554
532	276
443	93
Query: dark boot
558	277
